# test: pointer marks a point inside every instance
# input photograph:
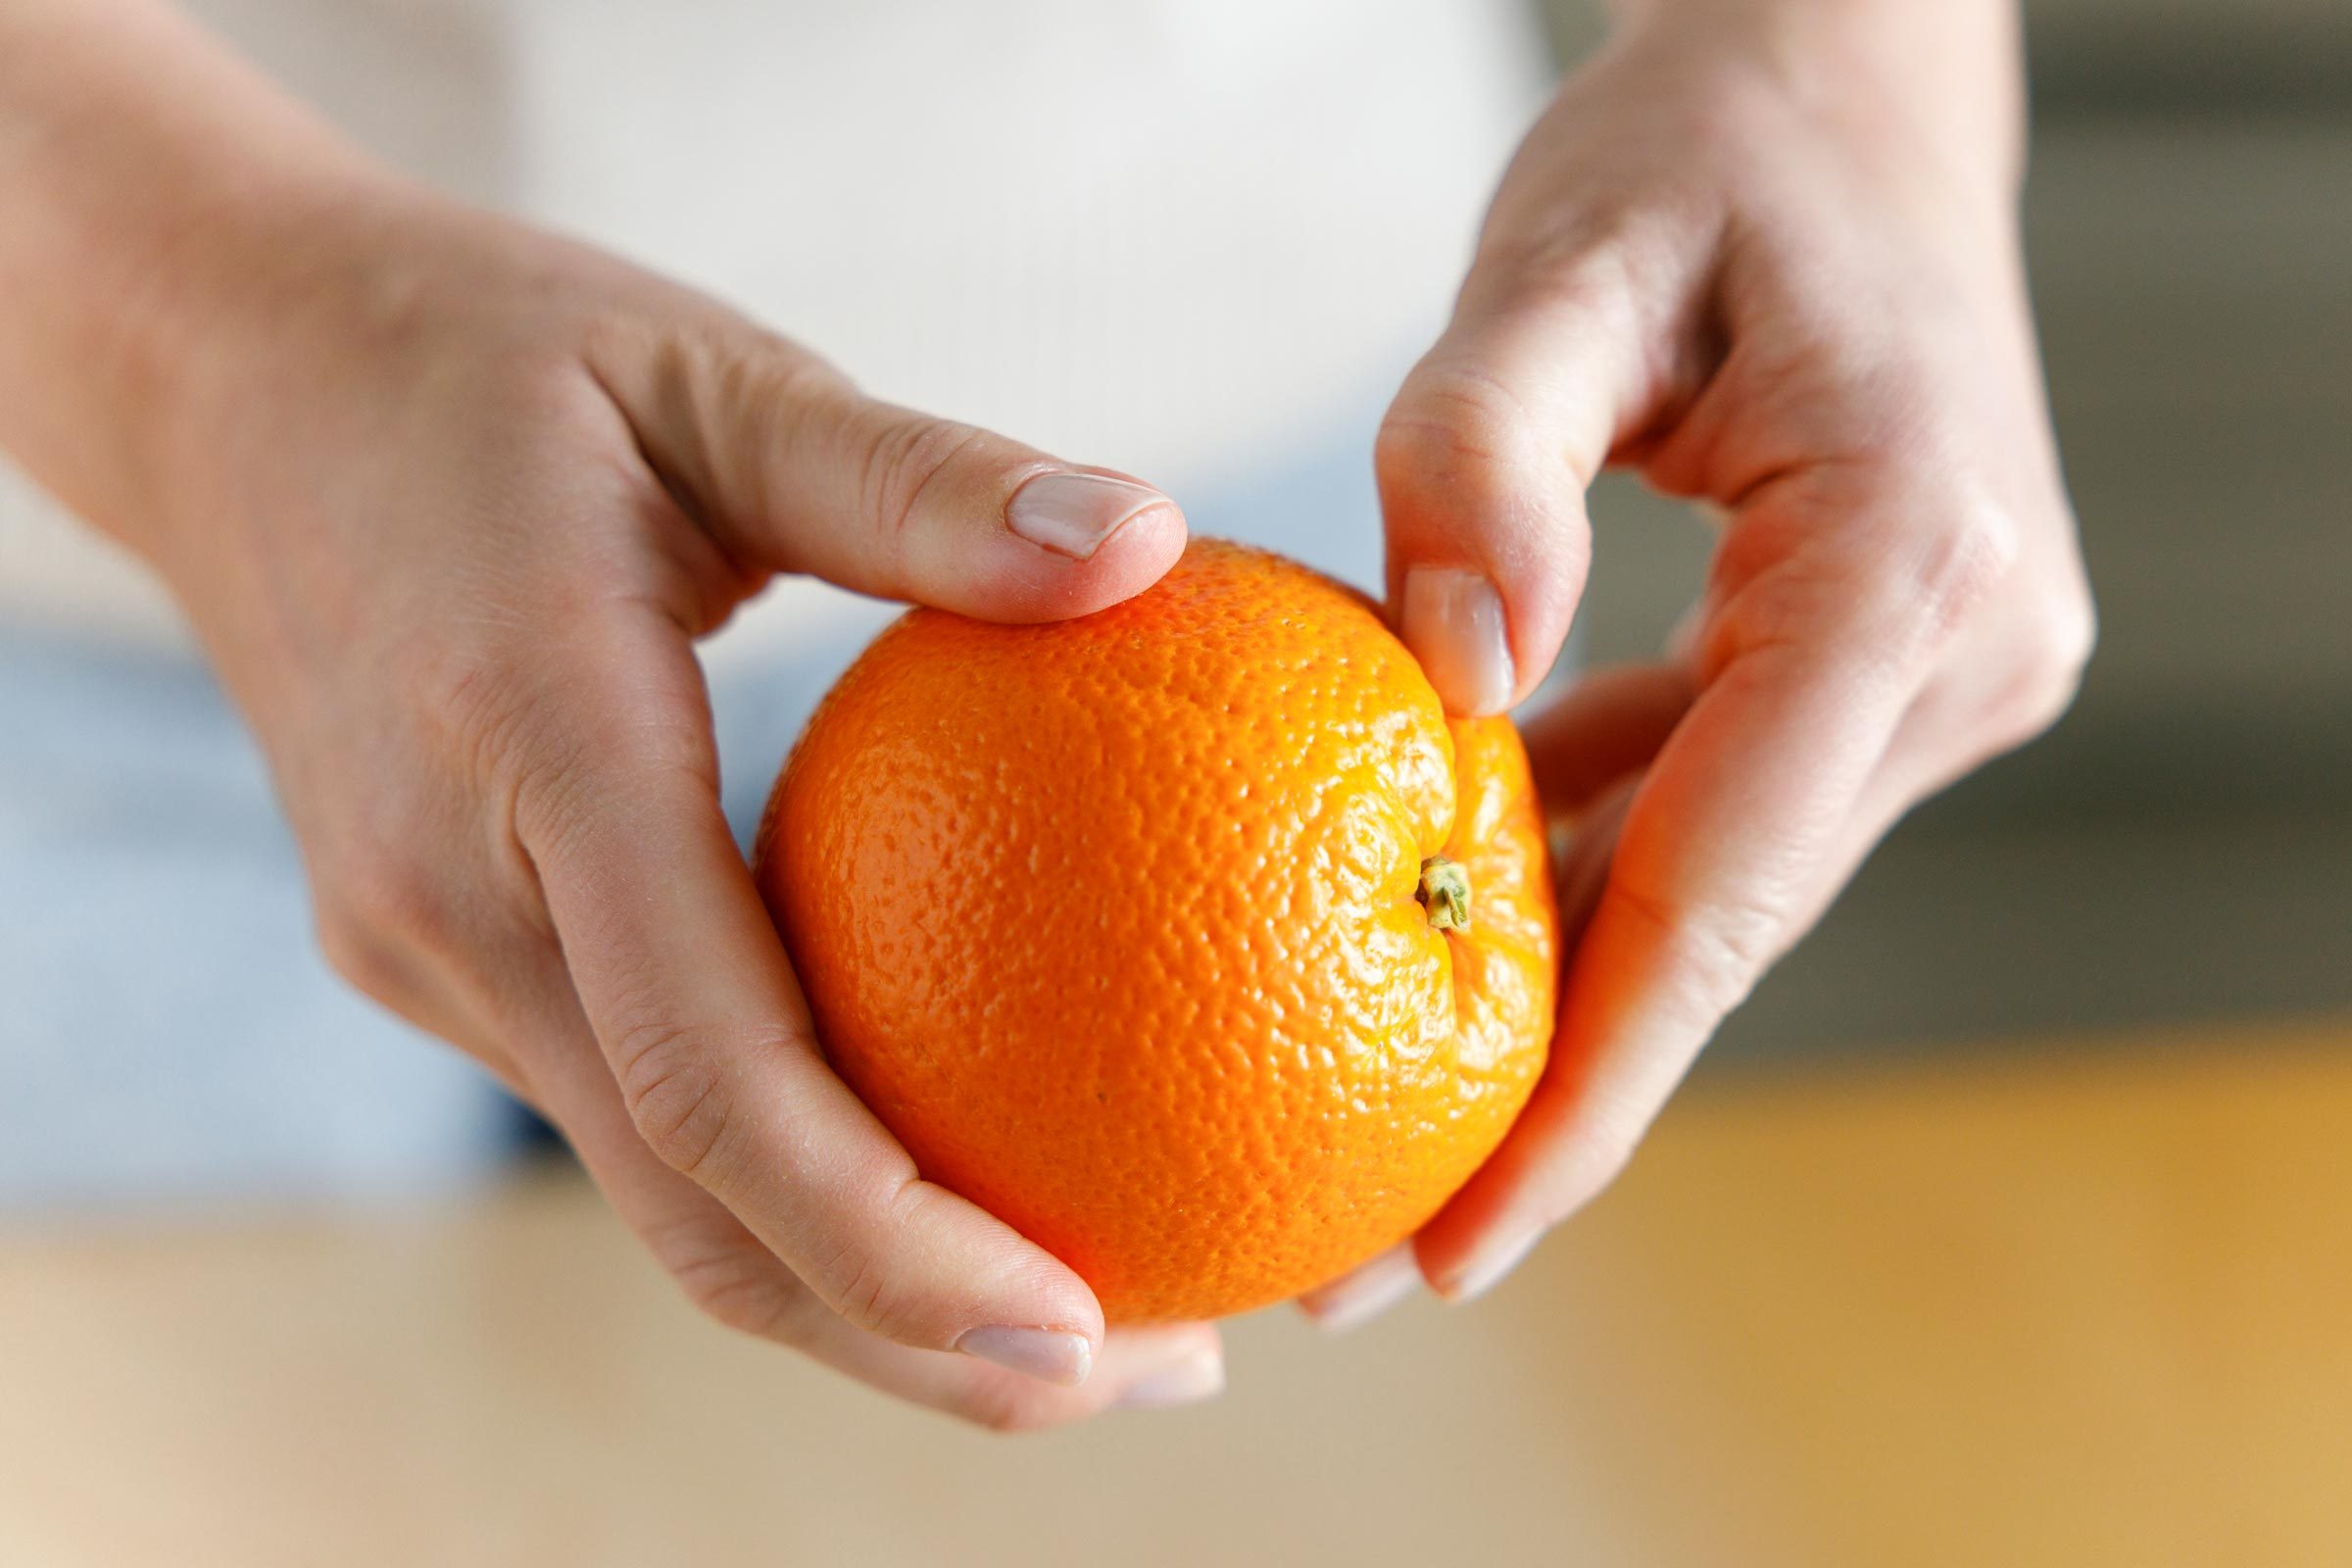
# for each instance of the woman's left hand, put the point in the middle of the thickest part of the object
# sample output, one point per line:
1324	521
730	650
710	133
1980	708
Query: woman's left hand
1767	256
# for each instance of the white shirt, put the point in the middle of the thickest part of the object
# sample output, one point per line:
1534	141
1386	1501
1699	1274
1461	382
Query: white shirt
1192	238
1174	236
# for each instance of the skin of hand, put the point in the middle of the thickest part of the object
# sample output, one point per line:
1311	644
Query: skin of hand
1767	257
448	501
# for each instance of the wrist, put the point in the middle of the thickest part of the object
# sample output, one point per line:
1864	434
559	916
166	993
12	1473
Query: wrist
147	177
1940	83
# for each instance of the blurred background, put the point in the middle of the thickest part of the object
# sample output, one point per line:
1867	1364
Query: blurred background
2182	846
2009	1222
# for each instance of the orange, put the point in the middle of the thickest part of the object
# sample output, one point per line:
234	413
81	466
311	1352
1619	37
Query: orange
1137	931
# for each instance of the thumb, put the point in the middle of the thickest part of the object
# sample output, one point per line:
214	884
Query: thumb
791	469
1482	462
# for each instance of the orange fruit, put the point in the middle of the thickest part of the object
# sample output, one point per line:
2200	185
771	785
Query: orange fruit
1137	930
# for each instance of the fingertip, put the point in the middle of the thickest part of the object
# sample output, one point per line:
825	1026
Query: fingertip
1073	512
1079	541
1487	1265
1138	1368
1187	1379
1152	1368
1503	1202
1009	1285
1148	539
1482	464
1453	620
1060	1356
1365	1292
1487	566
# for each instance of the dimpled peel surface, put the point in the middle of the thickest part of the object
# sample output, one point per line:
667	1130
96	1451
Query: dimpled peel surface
1114	923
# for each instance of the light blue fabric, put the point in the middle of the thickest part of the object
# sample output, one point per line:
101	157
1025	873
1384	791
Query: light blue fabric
169	1033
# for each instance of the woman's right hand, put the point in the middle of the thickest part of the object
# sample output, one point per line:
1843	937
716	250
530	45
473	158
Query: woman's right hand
448	501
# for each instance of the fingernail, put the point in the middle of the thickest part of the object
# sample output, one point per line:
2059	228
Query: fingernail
1487	1267
1452	621
1357	1297
1189	1380
1055	1355
1073	514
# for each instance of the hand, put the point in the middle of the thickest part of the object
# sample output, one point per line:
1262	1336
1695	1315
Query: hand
1765	254
450	554
448	501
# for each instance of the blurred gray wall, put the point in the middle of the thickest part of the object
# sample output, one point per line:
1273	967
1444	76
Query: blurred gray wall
2181	847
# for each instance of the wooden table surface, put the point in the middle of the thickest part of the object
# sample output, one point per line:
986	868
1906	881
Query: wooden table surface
2052	1305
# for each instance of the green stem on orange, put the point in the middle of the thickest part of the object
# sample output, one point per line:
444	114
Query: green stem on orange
1444	892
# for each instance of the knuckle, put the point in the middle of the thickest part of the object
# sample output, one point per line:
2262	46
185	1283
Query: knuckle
552	795
863	1286
1722	949
1963	563
904	455
1891	581
570	795
868	1300
1457	435
749	367
1913	599
736	1283
2066	634
377	900
2047	665
1535	250
364	959
1765	609
470	705
1533	268
675	1098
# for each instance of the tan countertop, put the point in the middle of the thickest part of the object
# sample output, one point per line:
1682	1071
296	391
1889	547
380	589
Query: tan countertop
2047	1306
